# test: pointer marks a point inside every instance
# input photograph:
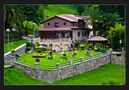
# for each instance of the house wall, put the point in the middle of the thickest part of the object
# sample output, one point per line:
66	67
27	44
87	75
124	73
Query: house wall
76	37
56	19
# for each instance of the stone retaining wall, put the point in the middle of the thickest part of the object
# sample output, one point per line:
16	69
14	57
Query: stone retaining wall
19	51
68	71
118	58
64	72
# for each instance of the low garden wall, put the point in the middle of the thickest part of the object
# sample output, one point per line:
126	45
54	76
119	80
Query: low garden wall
118	58
70	70
63	72
19	51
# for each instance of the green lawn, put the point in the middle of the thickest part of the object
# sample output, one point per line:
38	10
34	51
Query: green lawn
45	63
13	45
107	75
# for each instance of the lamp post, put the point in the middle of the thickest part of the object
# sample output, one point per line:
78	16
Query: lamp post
34	30
120	43
8	30
59	35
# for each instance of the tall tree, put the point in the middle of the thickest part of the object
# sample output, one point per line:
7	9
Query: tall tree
116	34
96	16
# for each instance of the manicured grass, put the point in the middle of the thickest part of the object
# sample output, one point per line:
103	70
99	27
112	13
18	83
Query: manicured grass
45	63
107	75
13	45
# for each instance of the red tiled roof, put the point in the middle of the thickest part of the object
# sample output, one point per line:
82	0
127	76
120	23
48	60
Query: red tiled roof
70	17
84	17
56	29
97	38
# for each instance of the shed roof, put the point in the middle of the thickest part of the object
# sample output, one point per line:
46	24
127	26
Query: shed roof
97	38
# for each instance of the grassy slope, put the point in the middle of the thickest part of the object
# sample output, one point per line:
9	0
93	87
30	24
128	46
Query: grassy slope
109	74
13	45
57	9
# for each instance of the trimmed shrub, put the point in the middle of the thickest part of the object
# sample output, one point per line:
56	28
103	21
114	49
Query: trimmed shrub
77	44
97	49
90	46
39	50
29	44
37	55
103	50
28	48
48	49
12	51
82	46
37	43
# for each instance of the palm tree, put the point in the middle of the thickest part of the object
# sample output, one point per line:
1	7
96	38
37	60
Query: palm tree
96	16
110	20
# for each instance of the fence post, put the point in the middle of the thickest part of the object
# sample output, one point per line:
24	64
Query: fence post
81	59
37	67
70	62
122	58
58	70
13	59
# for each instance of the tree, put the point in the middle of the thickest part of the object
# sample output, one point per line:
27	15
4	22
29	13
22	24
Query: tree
116	34
80	9
96	16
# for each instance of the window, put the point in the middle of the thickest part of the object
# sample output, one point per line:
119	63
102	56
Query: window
78	34
64	23
85	34
82	34
48	23
56	24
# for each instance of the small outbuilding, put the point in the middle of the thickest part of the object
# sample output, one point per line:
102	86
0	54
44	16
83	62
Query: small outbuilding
97	39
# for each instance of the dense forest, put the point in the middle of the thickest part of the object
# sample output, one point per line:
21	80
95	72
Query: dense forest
107	20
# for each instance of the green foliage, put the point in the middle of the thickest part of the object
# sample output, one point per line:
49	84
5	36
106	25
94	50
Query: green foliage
13	45
29	44
39	50
103	50
82	46
115	34
28	48
13	50
48	48
97	49
13	36
39	55
90	46
77	44
55	9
